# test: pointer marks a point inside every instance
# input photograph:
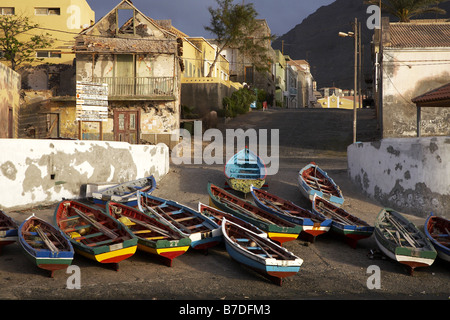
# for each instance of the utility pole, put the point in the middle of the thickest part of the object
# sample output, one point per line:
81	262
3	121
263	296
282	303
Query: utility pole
355	84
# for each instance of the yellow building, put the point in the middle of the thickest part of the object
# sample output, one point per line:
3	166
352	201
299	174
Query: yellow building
62	19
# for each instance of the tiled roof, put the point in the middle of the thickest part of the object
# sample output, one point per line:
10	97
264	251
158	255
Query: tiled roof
439	94
420	34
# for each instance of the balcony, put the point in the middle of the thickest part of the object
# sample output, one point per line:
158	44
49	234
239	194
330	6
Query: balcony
121	88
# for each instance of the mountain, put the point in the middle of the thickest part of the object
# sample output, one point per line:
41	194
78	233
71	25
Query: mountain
331	57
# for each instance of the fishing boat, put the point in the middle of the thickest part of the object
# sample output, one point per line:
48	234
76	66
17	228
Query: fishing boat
45	245
313	180
259	253
203	232
245	169
402	241
312	224
277	228
344	223
218	215
124	192
93	233
437	230
154	237
8	230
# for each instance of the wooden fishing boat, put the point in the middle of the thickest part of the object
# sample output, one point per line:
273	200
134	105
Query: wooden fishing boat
218	215
313	180
153	236
437	230
8	230
277	228
125	192
93	233
259	253
245	169
45	245
344	223
312	224
203	232
402	241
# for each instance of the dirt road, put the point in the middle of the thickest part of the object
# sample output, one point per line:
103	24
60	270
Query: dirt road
331	269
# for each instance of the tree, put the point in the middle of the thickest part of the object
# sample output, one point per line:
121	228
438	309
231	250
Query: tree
233	26
12	27
407	9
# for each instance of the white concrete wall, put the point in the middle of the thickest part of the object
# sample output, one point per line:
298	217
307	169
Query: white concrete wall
34	172
409	174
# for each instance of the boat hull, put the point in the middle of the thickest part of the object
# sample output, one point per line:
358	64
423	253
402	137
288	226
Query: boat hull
335	196
278	229
312	224
406	254
443	251
352	228
245	247
210	234
38	253
244	185
102	251
245	169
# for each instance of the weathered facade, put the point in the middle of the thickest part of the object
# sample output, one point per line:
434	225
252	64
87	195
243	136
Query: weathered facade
139	61
9	102
412	60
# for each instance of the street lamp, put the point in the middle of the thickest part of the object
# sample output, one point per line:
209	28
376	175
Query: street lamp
355	35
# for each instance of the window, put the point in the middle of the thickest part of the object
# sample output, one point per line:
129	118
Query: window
7	11
48	54
47	11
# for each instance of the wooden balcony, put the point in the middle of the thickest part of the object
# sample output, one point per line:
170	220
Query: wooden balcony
124	88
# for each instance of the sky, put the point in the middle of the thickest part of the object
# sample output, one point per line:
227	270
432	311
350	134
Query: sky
191	16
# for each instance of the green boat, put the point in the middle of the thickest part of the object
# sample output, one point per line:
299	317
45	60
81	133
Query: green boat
402	241
277	228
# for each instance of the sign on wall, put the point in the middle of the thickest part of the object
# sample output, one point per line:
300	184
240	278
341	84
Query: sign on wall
92	101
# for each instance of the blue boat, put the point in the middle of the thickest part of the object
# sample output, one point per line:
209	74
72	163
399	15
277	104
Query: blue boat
259	253
312	224
125	193
245	169
203	232
45	245
312	180
8	230
437	230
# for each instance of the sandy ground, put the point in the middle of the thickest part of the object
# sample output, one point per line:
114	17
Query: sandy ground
331	268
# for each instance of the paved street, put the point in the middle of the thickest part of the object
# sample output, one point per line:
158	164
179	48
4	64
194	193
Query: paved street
331	269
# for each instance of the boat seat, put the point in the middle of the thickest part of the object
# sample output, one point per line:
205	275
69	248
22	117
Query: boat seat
185	218
195	226
174	212
92	235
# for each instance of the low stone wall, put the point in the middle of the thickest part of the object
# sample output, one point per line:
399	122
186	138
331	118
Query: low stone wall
39	172
407	174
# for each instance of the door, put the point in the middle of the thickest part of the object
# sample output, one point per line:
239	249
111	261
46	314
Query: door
126	126
10	123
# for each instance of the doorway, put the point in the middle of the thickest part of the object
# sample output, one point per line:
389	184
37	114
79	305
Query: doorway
126	126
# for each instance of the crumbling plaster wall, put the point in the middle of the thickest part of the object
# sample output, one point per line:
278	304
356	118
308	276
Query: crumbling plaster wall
407	174
408	73
45	171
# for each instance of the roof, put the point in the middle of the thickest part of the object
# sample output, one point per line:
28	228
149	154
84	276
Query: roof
419	34
434	96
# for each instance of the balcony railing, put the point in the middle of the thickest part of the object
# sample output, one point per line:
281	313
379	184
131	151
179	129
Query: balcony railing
138	86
